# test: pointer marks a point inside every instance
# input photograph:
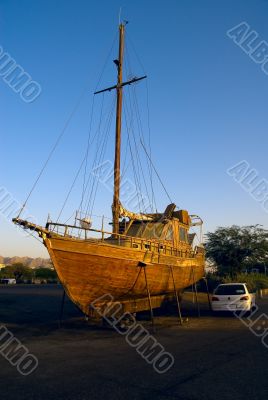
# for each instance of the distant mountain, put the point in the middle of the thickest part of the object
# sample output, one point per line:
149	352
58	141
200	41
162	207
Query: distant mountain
27	261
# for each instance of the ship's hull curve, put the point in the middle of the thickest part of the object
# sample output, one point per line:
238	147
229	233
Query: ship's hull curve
89	270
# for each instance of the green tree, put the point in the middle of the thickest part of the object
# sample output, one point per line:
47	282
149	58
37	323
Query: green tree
21	272
7	272
18	271
234	248
45	273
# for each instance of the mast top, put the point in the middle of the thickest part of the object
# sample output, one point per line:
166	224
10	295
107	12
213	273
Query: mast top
119	85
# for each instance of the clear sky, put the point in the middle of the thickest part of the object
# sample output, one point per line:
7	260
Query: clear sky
207	98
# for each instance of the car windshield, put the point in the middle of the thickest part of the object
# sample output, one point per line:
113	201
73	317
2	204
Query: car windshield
230	289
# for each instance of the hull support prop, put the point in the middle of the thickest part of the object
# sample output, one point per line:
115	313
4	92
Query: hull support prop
176	295
209	301
194	288
143	265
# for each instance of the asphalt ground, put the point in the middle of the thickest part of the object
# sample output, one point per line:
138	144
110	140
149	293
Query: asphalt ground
215	357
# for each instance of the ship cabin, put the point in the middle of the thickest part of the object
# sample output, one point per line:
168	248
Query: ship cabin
166	232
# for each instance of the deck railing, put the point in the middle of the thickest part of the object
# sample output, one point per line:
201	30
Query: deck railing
150	245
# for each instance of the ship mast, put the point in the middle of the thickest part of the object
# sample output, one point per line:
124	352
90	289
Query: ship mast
119	89
117	156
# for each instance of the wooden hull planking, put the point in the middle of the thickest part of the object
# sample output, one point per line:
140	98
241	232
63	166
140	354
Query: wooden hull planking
90	269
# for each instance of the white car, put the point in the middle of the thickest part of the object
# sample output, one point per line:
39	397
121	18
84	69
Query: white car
8	281
233	297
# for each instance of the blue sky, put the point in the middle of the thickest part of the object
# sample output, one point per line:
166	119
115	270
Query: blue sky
207	100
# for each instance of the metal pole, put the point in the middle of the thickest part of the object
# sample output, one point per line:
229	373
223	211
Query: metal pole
176	294
61	308
195	292
192	275
209	302
149	296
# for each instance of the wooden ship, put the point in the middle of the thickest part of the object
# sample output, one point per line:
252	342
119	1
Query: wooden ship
145	259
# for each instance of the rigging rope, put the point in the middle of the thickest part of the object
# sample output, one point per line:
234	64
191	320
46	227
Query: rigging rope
53	149
97	132
135	173
160	180
91	120
143	145
102	154
63	131
99	155
130	128
87	151
71	188
153	200
141	136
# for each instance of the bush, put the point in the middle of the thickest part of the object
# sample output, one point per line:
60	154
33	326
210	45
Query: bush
46	274
253	281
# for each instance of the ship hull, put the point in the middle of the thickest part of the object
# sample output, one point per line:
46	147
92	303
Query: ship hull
89	270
